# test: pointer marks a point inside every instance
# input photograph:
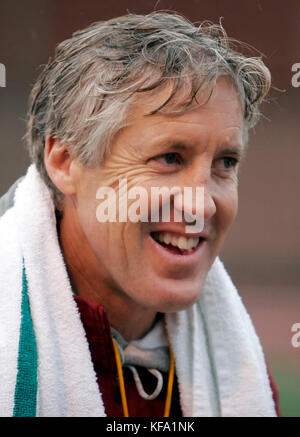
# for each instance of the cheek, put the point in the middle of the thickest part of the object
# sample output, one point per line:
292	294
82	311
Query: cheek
227	207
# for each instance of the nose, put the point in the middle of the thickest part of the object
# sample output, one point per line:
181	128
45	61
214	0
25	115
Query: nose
196	202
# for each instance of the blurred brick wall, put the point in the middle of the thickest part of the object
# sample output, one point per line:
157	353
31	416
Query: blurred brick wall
263	245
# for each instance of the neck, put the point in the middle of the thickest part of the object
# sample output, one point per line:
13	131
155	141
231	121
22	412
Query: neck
90	280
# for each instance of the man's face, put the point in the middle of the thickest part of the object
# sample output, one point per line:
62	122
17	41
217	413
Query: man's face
198	148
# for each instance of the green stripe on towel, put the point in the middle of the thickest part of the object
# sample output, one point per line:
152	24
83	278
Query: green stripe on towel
26	385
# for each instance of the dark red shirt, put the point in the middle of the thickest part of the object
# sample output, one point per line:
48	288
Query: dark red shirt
99	337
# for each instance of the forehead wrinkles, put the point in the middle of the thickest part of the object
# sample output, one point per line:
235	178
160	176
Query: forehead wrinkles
184	131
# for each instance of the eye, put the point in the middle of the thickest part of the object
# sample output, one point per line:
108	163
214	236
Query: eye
170	158
229	162
226	163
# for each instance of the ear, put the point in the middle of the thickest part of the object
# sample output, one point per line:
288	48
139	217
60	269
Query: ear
60	165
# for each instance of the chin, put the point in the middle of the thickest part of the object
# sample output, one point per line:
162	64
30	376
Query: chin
173	298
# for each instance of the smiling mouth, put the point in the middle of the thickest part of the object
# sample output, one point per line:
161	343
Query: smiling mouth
176	244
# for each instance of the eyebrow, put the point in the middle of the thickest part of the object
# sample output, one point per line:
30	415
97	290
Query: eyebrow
238	151
178	145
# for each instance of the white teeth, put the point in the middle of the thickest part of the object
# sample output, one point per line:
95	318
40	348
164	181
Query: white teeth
174	240
161	237
167	238
181	242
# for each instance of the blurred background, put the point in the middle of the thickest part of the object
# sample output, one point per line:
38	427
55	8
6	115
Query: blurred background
262	251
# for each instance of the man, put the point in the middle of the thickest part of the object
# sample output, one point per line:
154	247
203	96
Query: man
113	307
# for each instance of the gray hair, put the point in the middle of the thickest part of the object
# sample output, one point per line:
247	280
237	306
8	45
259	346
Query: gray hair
82	96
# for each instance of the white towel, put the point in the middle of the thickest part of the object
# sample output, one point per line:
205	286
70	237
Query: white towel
219	361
